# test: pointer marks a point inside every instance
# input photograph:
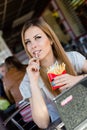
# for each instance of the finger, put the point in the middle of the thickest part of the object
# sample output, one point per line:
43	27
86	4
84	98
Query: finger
66	86
36	64
60	81
60	84
32	60
61	76
32	68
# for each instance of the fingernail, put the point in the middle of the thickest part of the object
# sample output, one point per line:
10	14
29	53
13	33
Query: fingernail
52	83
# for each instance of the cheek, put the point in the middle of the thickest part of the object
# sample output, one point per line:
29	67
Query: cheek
29	50
47	47
46	43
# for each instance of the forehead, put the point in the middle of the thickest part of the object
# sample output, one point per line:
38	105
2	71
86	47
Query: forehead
33	30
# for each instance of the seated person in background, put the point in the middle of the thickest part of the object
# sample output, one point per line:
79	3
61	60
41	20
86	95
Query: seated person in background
13	77
44	50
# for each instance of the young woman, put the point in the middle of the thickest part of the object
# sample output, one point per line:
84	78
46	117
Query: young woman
44	49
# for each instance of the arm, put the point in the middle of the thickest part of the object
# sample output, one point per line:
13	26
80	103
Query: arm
39	109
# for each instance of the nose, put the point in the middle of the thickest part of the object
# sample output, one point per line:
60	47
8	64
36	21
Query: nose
34	44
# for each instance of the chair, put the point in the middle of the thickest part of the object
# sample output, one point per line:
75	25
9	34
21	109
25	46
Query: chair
19	119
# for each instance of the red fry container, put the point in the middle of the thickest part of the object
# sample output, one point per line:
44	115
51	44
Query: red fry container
51	77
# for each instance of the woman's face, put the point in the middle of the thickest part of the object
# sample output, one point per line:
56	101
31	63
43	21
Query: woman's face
37	43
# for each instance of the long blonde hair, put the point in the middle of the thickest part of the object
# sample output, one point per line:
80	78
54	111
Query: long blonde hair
57	48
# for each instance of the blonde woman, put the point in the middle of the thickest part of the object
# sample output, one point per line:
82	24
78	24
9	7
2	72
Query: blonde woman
44	49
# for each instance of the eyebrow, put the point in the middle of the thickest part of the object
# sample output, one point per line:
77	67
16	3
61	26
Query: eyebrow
36	35
33	37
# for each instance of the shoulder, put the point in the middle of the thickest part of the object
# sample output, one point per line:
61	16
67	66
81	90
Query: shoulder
75	54
75	57
77	60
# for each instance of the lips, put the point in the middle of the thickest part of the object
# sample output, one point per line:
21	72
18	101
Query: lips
36	53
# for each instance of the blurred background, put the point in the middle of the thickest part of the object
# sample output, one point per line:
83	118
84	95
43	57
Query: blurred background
68	18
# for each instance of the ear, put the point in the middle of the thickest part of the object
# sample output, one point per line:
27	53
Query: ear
51	42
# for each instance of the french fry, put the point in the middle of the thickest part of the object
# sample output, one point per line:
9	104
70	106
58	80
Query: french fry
55	70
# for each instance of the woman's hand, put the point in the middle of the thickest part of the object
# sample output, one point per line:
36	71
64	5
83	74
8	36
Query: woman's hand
66	81
33	69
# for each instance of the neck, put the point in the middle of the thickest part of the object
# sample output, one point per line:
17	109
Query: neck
48	61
